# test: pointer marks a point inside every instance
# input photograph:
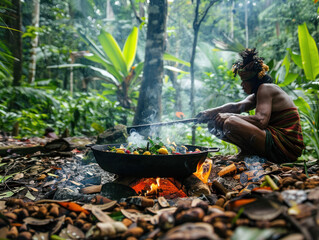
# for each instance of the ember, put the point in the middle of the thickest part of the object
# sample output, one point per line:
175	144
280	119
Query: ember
163	187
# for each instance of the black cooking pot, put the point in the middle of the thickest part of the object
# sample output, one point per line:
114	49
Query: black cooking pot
181	165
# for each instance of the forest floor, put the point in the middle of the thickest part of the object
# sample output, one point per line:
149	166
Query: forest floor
58	191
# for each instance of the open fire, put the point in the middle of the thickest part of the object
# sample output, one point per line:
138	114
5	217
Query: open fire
169	187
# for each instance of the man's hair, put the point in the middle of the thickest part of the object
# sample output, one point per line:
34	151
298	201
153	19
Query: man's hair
252	68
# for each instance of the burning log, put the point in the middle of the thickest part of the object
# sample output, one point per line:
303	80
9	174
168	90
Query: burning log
195	187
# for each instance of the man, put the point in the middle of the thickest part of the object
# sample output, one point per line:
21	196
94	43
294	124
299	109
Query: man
274	131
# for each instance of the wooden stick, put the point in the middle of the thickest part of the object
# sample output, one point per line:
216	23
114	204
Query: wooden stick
163	123
230	169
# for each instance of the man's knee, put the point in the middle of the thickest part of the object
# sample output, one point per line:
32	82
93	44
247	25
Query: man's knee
230	124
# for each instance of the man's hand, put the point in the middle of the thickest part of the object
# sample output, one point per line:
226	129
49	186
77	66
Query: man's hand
220	119
207	115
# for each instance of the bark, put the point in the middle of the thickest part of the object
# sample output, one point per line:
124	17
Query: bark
16	42
149	108
35	40
232	21
178	90
109	11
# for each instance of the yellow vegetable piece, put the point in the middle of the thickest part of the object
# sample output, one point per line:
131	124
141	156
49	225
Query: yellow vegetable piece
163	151
120	151
136	153
147	153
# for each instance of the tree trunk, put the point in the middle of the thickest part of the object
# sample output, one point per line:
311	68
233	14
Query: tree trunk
35	40
149	107
178	90
246	24
16	42
232	21
109	11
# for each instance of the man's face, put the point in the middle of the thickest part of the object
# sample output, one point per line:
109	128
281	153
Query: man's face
247	86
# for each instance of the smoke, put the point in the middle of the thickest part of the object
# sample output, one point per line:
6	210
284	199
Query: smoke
136	139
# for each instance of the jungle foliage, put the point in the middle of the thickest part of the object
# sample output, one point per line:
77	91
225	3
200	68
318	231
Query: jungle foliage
81	39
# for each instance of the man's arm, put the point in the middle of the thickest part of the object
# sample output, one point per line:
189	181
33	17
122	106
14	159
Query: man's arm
262	113
245	105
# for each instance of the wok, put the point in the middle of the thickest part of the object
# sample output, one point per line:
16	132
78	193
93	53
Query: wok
181	165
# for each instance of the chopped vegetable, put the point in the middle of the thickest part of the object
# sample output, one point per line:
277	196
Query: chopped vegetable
147	153
136	153
120	151
163	151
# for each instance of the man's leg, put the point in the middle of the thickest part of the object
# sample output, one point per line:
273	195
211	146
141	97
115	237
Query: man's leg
245	135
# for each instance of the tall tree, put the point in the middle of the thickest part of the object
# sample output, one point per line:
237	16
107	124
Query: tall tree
34	40
15	41
198	19
149	107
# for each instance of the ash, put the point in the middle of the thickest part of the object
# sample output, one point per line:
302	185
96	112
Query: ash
254	162
75	175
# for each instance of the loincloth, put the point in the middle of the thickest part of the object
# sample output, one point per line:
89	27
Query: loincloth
284	140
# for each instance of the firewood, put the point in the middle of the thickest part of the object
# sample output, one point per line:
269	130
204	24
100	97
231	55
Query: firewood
195	187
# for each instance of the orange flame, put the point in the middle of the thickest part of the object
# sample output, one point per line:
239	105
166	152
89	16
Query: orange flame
180	114
154	187
201	173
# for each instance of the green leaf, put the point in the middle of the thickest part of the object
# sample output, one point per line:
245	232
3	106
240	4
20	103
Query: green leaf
11	192
302	105
286	63
288	79
295	57
174	69
249	233
105	74
109	67
130	47
97	127
309	53
113	51
169	57
5	178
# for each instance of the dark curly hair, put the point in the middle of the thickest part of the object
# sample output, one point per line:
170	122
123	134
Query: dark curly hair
252	68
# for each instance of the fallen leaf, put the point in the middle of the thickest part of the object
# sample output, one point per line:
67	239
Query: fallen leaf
11	193
249	233
73	207
49	183
74	232
30	196
2	205
105	206
101	216
18	176
134	215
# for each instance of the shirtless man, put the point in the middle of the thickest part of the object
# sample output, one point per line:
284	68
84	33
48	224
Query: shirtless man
274	131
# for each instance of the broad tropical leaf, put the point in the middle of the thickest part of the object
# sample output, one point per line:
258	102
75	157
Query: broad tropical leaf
113	51
130	47
302	105
169	57
309	53
174	69
290	77
296	58
109	67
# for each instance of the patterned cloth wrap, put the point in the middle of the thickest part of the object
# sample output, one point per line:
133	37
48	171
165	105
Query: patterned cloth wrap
284	140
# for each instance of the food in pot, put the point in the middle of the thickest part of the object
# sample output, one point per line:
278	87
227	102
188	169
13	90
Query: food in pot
153	148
